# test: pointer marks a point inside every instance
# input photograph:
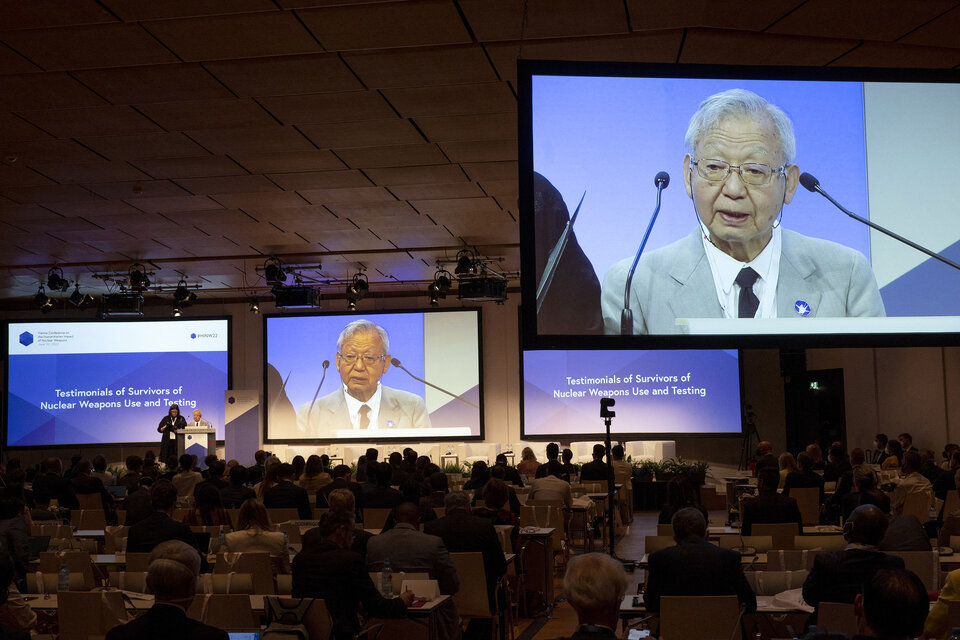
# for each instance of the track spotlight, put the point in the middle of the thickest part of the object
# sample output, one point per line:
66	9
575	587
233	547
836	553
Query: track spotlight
273	271
434	292
254	307
465	263
181	292
138	277
43	301
56	281
177	311
358	288
79	300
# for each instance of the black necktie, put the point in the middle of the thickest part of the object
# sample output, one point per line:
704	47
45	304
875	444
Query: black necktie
748	299
364	416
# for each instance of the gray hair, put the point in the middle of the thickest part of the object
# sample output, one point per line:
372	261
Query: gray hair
365	326
740	102
178	551
170	580
456	500
594	582
688	522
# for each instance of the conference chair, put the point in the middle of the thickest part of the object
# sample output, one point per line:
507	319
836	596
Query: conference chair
783	533
951	504
39	582
733	541
284	514
375	518
664	529
471	599
953	614
808	500
284	584
317	618
716	617
253	562
224	610
926	564
83	614
820	543
77	562
655	543
137	561
790	559
770	583
917	504
88	519
293	532
52	530
128	580
115	539
225	583
92	501
838	617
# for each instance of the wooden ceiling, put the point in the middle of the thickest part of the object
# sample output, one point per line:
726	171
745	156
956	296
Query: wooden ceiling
199	137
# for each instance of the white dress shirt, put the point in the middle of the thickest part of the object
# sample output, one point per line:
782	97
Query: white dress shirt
353	408
725	270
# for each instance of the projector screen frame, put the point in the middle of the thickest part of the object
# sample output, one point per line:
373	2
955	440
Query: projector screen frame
47	320
631	436
332	371
530	336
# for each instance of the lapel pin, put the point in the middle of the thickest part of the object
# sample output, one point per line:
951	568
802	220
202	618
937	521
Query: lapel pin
801	308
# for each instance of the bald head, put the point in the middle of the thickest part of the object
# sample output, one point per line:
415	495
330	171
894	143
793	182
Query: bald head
409	513
866	525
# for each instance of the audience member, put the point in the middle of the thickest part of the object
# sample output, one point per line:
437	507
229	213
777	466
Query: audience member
342	500
479	474
528	464
694	567
209	511
43	512
256	473
215	470
893	455
893	606
596	469
271	469
83	483
131	478
314	475
329	570
837	464
569	469
937	624
816	455
186	479
438	483
139	504
765	458
341	480
15	523
551	487
159	526
511	475
17	619
806	477
237	493
55	484
788	464
255	532
99	463
512	500
905	533
149	467
906	443
865	492
595	584
553	453
838	576
912	483
880	446
286	495
769	506
382	495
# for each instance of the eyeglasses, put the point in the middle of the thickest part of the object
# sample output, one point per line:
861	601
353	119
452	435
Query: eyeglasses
368	359
751	173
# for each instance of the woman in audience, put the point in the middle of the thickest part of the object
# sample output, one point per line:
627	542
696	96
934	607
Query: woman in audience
528	463
255	532
816	454
314	476
788	464
438	483
298	464
479	475
894	455
270	477
495	496
866	492
209	511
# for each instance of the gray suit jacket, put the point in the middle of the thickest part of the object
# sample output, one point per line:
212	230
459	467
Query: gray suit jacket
675	281
413	551
398	410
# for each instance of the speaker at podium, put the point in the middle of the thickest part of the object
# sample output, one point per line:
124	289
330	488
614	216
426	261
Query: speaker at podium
197	441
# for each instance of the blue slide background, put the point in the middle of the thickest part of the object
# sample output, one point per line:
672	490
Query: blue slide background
716	413
32	379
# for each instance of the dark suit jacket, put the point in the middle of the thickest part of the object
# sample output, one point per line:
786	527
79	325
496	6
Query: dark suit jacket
461	532
382	498
156	528
801	480
341	483
696	568
770	508
312	539
838	576
323	570
165	621
905	533
595	470
232	497
57	487
512	476
288	495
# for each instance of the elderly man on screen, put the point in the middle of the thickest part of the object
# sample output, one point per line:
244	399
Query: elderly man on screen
361	402
739	262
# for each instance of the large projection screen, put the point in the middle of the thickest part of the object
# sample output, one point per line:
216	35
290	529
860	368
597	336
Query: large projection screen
871	137
658	393
306	402
73	383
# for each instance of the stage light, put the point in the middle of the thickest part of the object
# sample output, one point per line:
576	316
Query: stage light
177	311
434	292
465	263
443	280
43	301
358	288
273	271
254	307
79	300
56	281
138	277
181	293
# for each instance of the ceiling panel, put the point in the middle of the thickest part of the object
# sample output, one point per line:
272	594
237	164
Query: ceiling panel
421	67
285	75
272	138
320	180
19	176
144	146
392	156
646	15
270	33
482	171
367	133
226	184
436	191
504	19
97	210
883	20
506	189
443	174
288	161
346	239
884	54
13	128
348	106
90	121
207	114
36	152
488	97
136	190
47	193
39	90
701	47
176	168
941	32
139	10
371	210
349	196
87	47
456	206
386	25
91	171
52	13
174	204
265	200
154	83
493	126
13	62
480	151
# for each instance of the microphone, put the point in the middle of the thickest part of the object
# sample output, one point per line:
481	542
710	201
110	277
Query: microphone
325	364
553	261
397	364
810	183
660	181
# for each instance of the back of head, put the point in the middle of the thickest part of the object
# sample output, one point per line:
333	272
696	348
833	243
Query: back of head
186	462
409	513
342	499
553	451
480	472
216	469
341	471
260	456
170	581
617	452
857	457
438	481
53	465
689	523
384	473
208	497
372	454
284	471
313	466
495	493
594	584
395	459
566	455
867	525
253	515
99	463
554	468
163	495
457	501
911	462
895	604
836	452
881	439
768	479
179	551
814	451
599	451
238	475
333	521
501	460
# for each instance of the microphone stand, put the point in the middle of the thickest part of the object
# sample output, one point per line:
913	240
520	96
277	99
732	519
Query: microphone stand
553	261
661	181
811	184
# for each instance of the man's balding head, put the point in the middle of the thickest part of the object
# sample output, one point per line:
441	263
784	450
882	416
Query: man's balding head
689	523
595	584
409	513
867	525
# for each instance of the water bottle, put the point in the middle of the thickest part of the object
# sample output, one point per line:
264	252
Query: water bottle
956	634
222	540
63	578
386	579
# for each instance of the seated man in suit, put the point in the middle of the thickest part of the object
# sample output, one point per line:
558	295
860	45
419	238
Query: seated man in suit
382	495
804	478
553	453
838	576
172	579
595	584
694	567
159	526
342	480
285	494
596	469
769	506
361	402
551	487
739	262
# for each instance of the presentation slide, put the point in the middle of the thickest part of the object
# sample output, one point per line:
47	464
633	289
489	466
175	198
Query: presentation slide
112	382
689	392
374	385
604	139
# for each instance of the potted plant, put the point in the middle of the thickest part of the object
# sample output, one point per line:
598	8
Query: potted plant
646	470
698	472
454	472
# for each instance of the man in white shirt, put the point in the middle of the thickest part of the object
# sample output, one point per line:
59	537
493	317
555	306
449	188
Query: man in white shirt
361	402
739	262
911	483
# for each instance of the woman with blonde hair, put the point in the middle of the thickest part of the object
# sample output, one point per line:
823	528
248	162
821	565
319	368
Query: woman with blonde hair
314	477
788	464
528	463
271	466
255	532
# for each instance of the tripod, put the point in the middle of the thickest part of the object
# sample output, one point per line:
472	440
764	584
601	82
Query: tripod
608	416
750	437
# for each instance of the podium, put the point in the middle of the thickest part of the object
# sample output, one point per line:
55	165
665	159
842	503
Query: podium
197	441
